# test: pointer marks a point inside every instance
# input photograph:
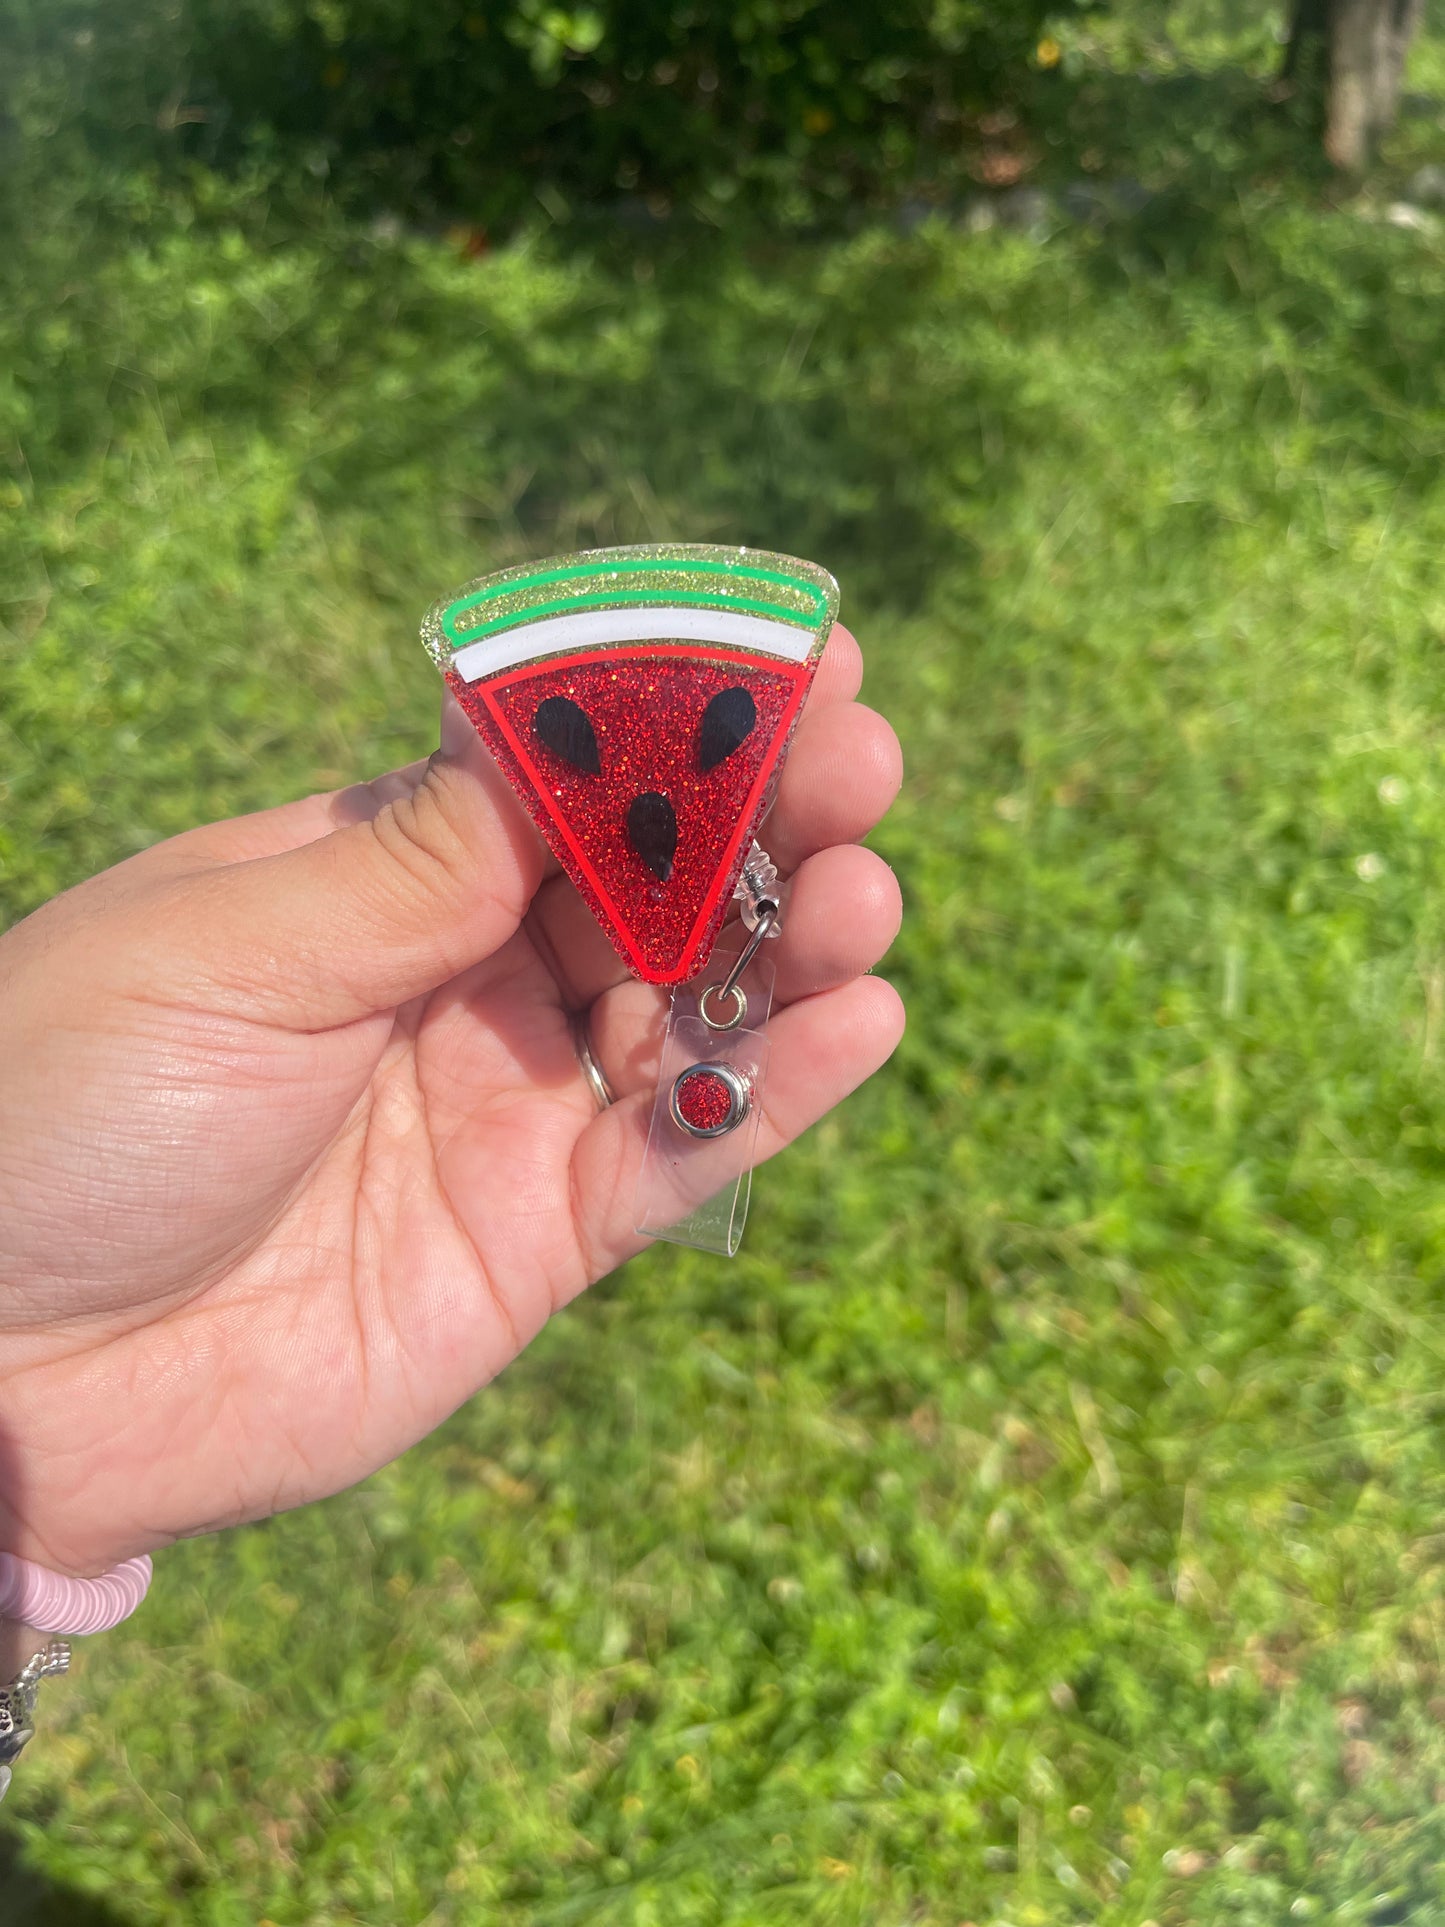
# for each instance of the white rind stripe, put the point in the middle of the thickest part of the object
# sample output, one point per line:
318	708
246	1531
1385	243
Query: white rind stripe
594	628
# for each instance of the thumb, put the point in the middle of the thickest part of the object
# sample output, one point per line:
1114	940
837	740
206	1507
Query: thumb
379	911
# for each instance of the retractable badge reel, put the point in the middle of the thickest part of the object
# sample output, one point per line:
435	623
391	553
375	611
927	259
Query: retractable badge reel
641	701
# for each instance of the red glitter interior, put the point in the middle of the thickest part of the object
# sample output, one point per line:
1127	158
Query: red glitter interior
645	704
705	1100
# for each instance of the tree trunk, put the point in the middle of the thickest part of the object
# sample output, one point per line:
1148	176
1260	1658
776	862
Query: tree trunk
1352	54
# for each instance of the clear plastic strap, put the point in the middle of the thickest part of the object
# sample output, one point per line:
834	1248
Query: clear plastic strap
697	1171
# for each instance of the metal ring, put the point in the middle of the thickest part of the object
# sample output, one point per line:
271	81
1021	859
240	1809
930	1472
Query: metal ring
596	1077
740	1006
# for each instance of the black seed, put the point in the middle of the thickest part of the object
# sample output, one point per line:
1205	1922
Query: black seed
726	722
652	831
564	727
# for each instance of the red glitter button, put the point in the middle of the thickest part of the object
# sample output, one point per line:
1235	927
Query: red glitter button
709	1099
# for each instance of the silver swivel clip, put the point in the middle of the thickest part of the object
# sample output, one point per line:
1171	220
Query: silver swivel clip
763	917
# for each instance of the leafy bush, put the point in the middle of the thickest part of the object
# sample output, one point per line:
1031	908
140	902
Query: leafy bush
475	107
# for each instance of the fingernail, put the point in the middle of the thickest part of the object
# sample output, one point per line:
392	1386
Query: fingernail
457	735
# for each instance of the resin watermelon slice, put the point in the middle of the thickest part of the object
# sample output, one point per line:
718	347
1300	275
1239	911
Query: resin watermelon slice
640	701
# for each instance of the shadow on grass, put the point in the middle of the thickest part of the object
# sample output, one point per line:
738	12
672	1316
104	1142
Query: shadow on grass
602	384
32	1901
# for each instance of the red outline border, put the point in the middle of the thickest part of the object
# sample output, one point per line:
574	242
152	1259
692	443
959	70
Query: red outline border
803	679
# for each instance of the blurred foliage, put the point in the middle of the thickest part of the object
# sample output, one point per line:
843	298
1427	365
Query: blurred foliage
481	108
1041	1521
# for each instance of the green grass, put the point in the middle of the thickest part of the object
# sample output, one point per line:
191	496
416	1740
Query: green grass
1041	1522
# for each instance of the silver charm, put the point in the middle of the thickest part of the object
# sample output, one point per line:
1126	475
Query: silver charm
17	1704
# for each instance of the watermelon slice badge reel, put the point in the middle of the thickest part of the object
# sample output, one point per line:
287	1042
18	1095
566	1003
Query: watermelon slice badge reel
640	701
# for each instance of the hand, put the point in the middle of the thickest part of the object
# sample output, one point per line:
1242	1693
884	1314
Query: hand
295	1150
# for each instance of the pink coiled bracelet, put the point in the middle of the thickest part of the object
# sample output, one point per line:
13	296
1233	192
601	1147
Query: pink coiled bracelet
50	1603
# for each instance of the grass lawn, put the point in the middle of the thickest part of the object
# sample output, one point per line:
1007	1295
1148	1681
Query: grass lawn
1043	1521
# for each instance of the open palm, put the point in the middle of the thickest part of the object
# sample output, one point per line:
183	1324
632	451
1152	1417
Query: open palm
295	1148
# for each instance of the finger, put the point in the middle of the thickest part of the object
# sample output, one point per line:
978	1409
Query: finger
286	827
839	675
842	774
821	1049
362	919
240	839
840	779
843	914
